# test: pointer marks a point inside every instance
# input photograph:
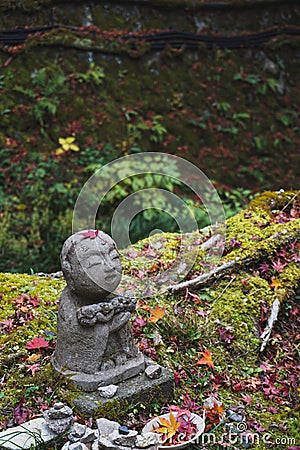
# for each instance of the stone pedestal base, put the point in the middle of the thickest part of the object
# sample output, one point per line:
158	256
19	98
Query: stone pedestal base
136	390
90	382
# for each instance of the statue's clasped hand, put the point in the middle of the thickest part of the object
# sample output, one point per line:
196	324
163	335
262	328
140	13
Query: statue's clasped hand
89	315
103	312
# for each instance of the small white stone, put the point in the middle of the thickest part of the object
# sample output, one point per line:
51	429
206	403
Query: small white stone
210	402
89	436
78	430
106	426
66	446
107	444
108	391
153	371
147	439
78	446
128	440
58	405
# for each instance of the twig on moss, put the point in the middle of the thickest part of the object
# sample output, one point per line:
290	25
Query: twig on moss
265	336
201	279
232	279
291	200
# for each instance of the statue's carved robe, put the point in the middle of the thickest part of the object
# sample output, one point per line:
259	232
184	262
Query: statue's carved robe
94	342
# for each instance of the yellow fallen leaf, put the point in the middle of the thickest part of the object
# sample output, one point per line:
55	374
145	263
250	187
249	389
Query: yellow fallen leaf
206	359
67	144
275	283
157	313
34	357
169	427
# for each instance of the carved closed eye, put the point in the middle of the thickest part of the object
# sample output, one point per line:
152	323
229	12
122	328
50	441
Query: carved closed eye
114	254
83	248
95	261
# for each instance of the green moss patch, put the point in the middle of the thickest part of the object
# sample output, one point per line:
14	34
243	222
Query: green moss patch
225	317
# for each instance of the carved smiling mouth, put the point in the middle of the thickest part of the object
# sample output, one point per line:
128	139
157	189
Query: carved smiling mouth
110	277
110	274
94	264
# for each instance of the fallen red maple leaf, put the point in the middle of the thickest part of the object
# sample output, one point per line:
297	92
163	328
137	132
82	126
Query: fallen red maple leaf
226	334
37	343
189	404
187	428
247	399
179	411
214	413
240	386
207	359
21	412
34	301
7	325
139	322
278	265
92	234
33	368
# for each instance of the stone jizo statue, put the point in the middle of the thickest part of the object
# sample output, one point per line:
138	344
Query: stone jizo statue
94	341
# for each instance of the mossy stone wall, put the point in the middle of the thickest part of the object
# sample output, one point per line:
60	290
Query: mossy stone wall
234	113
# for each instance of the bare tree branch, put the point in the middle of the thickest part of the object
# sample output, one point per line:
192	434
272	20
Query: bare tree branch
265	336
201	279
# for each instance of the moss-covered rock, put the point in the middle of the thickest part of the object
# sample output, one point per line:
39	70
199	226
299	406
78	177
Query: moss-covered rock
226	316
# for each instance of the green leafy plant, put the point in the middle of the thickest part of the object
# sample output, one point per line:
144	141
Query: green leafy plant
223	106
235	200
2	77
95	74
153	126
46	91
251	78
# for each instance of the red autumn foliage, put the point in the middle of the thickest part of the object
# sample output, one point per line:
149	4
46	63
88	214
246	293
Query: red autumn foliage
36	343
21	412
92	234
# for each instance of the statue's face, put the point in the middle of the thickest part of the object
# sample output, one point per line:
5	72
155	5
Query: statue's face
95	267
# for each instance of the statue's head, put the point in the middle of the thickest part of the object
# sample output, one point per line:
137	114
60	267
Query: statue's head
91	264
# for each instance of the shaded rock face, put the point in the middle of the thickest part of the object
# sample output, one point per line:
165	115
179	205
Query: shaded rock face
94	340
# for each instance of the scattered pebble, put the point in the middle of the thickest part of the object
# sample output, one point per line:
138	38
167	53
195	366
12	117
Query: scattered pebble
108	391
107	444
82	433
233	416
153	371
77	432
78	446
106	426
145	440
128	440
